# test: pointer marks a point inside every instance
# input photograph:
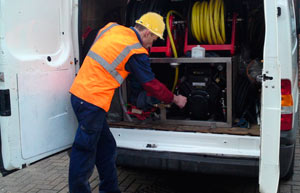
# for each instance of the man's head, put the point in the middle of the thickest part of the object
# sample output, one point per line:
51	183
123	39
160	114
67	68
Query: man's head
150	26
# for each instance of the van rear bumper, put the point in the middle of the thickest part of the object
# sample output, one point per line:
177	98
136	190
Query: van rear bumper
199	163
188	162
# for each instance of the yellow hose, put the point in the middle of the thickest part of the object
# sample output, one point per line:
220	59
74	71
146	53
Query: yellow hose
201	20
207	22
198	32
222	22
211	21
173	45
217	21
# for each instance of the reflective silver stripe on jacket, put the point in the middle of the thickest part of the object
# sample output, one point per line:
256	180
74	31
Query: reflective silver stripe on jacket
105	30
111	68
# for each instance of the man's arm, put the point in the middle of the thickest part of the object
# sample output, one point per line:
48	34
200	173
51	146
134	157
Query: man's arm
158	90
139	65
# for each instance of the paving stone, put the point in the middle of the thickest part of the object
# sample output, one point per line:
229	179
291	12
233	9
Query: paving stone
3	190
65	190
44	186
56	181
34	190
95	190
134	187
94	183
296	189
285	189
127	182
46	191
122	177
53	177
296	177
27	187
61	186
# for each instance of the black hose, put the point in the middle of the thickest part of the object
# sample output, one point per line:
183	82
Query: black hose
241	95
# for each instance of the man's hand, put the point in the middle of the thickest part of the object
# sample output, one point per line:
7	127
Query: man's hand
179	100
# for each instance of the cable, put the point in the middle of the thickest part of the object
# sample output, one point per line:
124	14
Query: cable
207	22
123	105
173	45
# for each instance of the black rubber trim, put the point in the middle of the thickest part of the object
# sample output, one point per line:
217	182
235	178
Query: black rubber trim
201	164
188	162
286	159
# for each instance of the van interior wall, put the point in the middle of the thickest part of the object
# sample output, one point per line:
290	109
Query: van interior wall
246	60
97	13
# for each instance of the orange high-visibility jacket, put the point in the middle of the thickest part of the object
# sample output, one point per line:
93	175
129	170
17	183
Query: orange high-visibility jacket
103	69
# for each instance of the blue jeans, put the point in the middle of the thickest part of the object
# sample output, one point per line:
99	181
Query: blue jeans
93	145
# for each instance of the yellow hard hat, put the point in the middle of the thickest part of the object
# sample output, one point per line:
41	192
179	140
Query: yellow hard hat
154	22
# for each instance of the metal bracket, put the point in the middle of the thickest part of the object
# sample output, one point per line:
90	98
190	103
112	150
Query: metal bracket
163	111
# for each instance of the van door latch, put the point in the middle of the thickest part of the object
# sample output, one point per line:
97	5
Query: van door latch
5	108
263	77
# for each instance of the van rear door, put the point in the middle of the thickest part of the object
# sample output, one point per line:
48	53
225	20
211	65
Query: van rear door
271	104
37	67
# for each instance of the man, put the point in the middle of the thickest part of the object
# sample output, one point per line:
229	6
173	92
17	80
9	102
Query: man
116	52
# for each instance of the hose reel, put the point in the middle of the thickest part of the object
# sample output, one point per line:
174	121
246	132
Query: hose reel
207	22
207	26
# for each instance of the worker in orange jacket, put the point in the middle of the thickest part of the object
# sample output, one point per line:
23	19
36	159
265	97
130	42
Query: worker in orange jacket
116	52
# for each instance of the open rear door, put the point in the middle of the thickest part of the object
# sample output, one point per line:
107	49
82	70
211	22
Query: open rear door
36	71
271	104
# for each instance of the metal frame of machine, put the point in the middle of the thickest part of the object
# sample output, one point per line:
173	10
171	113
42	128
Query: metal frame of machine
182	61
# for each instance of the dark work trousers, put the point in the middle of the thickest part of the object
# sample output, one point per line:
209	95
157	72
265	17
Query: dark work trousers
93	145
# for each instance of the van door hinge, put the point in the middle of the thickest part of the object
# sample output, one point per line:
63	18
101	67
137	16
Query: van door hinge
278	11
263	77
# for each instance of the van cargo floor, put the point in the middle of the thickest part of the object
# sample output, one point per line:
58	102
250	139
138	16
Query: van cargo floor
254	130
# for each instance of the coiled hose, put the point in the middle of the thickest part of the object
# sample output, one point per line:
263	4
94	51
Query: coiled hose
207	22
173	45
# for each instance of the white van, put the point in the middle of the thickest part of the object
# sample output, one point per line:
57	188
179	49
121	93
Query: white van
241	117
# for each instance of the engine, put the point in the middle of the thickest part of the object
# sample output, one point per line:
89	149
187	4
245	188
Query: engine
204	87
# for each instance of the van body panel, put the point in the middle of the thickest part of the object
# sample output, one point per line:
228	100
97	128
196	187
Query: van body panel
288	48
37	60
44	111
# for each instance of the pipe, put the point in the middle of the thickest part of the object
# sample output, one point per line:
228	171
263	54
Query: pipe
123	105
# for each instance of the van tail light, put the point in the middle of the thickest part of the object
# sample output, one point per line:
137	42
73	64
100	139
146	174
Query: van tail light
286	105
286	122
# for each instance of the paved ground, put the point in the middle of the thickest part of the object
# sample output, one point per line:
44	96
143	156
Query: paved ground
50	176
